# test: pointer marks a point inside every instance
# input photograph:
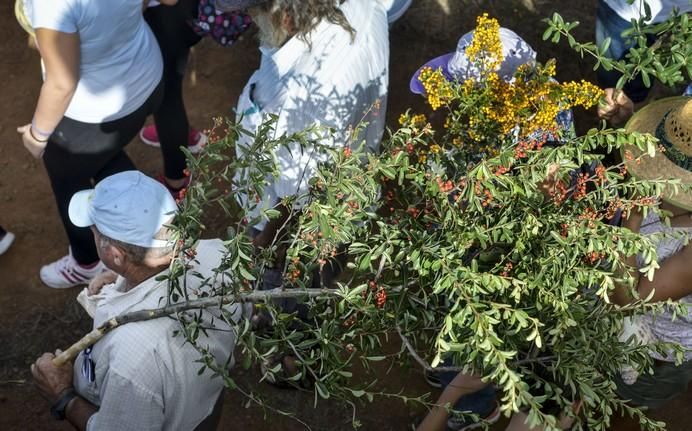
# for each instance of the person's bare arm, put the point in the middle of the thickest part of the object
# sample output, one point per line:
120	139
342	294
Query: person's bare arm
463	384
79	411
671	280
52	382
60	54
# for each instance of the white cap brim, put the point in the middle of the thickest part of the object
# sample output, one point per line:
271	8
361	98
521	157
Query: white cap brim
79	208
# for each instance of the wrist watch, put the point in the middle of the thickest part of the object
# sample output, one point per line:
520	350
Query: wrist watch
57	410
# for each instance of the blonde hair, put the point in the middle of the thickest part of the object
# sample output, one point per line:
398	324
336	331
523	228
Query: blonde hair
307	14
22	19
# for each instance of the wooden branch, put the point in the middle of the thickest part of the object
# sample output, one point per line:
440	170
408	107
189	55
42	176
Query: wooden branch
427	367
142	315
422	362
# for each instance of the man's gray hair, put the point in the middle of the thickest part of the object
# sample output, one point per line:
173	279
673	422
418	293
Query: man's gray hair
135	252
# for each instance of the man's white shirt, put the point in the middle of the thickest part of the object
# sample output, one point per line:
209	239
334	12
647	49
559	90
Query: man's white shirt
140	375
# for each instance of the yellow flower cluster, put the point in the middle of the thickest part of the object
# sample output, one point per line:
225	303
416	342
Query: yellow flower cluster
581	93
530	102
437	88
417	120
488	108
485	51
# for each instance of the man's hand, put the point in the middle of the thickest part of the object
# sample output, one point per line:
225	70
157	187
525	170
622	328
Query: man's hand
97	283
615	107
50	380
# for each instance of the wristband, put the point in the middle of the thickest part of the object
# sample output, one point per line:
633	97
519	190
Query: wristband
31	132
57	410
39	131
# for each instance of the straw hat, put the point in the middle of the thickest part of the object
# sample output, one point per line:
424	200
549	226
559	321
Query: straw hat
669	120
20	14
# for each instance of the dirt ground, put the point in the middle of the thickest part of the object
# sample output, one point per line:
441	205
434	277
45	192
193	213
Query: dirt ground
35	319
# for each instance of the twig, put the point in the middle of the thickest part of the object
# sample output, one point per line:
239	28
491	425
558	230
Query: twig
13	382
427	367
136	316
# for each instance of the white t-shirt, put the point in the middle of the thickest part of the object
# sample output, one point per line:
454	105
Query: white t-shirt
120	61
333	82
660	9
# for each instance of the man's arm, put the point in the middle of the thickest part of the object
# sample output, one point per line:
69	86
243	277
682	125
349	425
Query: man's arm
79	411
53	382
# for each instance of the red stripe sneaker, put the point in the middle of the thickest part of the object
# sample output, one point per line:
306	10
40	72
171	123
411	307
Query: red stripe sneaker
195	143
66	272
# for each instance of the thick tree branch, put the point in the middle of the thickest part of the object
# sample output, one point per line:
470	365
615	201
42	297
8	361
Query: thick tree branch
141	315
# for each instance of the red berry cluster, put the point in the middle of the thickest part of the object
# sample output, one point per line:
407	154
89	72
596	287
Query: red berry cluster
501	170
589	215
350	321
380	294
409	147
580	187
594	257
181	195
413	212
564	230
487	199
507	269
559	193
600	174
381	298
444	186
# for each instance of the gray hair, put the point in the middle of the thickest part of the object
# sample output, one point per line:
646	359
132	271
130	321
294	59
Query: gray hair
135	252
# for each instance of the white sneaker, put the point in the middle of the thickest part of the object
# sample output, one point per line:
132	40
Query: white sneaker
66	272
6	241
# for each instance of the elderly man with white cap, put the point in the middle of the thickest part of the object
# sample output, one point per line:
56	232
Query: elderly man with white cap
138	376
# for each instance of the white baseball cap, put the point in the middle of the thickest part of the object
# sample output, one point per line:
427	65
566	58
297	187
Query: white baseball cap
456	65
129	207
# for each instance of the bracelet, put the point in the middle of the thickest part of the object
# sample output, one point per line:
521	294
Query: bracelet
39	131
31	132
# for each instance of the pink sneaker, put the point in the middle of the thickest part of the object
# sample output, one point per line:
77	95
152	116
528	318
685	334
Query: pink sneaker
178	194
66	272
195	142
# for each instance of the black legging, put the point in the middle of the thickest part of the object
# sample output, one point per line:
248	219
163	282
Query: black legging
78	153
171	27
